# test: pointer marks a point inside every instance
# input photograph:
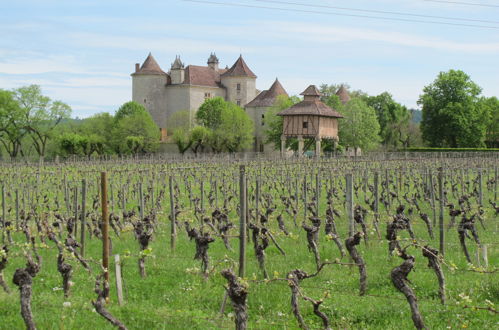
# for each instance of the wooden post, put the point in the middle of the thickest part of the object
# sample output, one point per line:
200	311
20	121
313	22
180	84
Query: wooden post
201	203
173	235
317	192
480	186
349	204
432	196
376	195
3	212
257	199
75	206
83	216
141	202
441	215
105	226
495	186
17	209
305	197
242	220
119	284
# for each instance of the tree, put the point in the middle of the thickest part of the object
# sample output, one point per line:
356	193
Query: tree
200	136
179	120
209	113
11	124
128	109
135	131
274	123
182	139
452	115
359	127
490	106
393	118
235	128
41	115
99	131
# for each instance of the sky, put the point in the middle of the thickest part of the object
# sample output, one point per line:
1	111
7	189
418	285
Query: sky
82	52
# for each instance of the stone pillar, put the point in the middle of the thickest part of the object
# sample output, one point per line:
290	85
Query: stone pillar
317	147
300	145
283	145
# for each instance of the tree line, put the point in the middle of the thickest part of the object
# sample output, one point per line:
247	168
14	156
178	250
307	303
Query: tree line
454	114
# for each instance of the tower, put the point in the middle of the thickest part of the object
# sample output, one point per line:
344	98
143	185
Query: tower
148	88
213	62
240	83
177	71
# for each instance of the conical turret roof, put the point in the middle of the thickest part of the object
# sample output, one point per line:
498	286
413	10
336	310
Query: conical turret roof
239	69
177	64
150	66
343	94
267	98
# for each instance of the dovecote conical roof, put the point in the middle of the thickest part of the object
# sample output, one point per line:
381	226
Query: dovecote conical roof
150	66
268	97
311	106
311	91
343	94
239	69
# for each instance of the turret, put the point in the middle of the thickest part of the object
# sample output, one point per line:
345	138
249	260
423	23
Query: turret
148	89
213	61
240	83
177	71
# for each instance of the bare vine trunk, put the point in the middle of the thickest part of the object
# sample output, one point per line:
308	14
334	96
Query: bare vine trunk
350	243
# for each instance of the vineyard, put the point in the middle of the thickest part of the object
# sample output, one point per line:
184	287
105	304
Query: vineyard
371	243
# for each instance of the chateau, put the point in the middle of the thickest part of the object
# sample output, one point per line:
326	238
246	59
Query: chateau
187	87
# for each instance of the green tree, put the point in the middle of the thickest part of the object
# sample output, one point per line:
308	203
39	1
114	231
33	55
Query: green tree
452	114
393	118
11	124
274	123
490	105
41	115
128	109
200	136
209	113
135	131
99	131
359	127
179	120
235	128
182	139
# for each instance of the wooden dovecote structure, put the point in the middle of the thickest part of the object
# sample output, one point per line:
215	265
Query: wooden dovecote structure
309	119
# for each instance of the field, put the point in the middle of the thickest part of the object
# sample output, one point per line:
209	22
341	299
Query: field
43	204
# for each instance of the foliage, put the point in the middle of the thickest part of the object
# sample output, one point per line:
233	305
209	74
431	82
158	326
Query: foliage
209	113
135	131
359	127
452	113
394	119
427	149
200	136
227	127
128	109
490	106
11	124
182	139
235	129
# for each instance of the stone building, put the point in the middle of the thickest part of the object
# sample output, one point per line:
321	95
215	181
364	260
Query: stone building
187	87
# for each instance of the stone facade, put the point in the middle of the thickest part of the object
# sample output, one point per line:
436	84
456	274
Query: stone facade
187	87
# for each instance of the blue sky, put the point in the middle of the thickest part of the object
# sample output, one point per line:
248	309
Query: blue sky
82	52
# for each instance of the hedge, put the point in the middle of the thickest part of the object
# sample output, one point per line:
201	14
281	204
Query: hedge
451	149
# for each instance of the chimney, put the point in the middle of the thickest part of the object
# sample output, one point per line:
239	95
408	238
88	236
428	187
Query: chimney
137	67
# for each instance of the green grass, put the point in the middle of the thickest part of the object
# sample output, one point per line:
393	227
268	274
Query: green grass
171	297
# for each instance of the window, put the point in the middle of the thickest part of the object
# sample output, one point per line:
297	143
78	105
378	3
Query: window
263	122
261	147
207	95
239	102
238	87
144	100
305	124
